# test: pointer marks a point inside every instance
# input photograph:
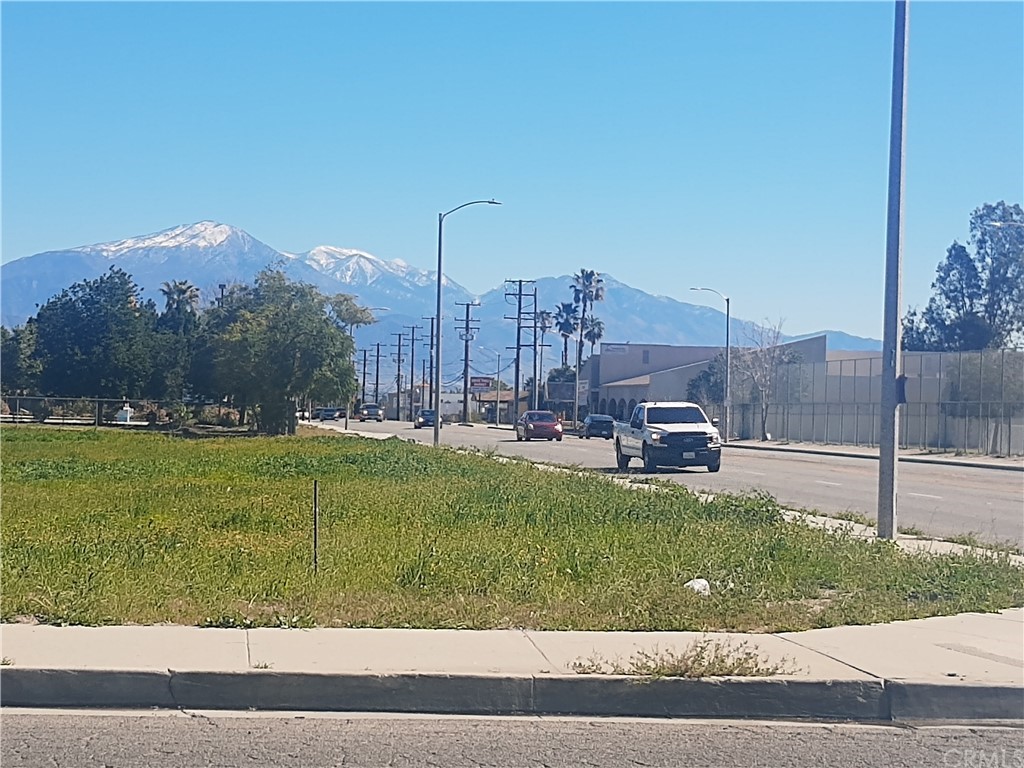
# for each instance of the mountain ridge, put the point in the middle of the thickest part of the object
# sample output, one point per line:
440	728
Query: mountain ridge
210	253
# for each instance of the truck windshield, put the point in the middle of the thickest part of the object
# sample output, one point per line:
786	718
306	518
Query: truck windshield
676	415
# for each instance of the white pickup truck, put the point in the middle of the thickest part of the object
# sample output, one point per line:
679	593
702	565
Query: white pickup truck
671	434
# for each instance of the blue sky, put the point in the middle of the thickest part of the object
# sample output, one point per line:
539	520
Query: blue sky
741	146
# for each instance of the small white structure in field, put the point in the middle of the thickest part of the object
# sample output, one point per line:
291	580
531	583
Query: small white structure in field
700	586
125	414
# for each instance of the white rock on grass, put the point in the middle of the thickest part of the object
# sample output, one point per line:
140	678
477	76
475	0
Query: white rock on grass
700	586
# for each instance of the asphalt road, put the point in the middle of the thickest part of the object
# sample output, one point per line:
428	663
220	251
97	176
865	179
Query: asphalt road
180	740
939	500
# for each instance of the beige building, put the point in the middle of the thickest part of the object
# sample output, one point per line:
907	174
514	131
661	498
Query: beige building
626	374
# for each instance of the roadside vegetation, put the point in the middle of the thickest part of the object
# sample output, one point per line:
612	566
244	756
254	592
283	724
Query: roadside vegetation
109	527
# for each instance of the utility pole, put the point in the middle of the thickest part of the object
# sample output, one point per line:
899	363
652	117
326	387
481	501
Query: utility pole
518	294
423	378
466	334
431	400
497	392
892	354
412	366
398	378
376	378
536	402
363	399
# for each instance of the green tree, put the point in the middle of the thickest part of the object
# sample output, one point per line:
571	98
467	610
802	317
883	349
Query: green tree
593	331
177	329
708	386
587	287
566	321
978	293
96	339
181	308
279	343
19	366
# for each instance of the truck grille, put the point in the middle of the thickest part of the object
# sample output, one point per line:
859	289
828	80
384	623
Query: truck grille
686	442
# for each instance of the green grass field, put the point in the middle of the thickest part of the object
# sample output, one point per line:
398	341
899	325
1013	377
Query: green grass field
103	526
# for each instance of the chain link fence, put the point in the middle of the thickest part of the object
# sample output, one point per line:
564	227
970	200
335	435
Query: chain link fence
967	402
86	411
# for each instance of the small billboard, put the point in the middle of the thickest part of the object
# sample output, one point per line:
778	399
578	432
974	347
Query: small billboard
480	383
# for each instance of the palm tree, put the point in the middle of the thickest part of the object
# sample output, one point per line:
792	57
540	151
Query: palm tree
587	287
182	302
593	331
566	321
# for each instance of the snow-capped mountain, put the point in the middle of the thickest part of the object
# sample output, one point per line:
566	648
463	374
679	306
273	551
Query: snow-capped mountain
209	254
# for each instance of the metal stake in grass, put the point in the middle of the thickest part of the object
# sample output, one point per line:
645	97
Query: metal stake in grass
316	523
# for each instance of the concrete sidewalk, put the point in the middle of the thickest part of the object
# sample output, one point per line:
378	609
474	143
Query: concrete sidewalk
967	667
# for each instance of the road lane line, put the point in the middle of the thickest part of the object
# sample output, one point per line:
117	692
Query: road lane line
752	472
826	482
924	495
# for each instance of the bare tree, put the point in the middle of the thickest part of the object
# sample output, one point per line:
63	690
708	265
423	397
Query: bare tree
760	362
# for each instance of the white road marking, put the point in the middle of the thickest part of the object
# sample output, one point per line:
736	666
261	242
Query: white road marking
826	482
924	495
751	472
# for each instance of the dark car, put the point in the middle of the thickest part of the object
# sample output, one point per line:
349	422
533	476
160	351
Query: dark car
371	411
597	425
329	414
540	425
425	418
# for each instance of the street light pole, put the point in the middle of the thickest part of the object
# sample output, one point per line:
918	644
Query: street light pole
727	396
437	325
892	355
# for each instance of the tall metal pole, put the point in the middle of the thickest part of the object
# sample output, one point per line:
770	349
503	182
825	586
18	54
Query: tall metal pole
727	401
430	398
398	379
412	368
892	363
437	338
467	336
363	399
437	326
376	378
535	403
727	395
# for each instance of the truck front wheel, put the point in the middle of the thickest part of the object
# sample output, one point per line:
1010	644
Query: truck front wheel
716	466
649	463
621	461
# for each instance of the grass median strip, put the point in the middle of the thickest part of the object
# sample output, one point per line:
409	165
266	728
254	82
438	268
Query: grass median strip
104	527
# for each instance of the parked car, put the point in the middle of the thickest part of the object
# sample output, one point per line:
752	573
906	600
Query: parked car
425	418
540	425
371	411
597	425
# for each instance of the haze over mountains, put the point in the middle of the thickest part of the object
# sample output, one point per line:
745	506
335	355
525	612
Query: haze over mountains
209	253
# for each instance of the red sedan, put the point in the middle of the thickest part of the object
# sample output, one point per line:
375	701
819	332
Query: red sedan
542	425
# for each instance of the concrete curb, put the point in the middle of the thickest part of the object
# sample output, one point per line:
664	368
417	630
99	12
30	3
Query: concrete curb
582	695
851	455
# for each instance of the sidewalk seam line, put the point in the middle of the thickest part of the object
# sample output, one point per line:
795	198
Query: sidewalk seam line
248	650
529	639
833	658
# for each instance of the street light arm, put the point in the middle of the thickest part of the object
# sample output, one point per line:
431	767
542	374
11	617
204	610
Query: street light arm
473	202
712	290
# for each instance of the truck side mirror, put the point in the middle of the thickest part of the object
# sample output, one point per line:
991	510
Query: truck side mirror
714	422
